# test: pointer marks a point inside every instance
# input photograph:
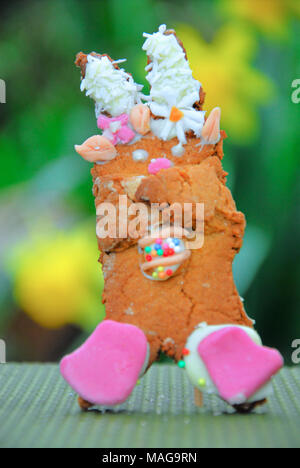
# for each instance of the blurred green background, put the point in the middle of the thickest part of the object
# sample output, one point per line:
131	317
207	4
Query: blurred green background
246	55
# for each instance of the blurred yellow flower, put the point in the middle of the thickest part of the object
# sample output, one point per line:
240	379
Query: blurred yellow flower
57	279
229	79
270	16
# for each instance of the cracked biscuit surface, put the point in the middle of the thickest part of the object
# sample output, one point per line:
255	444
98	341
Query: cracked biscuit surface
202	290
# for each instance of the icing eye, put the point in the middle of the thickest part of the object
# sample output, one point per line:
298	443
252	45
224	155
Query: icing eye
140	155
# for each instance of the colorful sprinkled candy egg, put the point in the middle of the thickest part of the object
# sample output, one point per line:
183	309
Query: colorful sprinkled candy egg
162	257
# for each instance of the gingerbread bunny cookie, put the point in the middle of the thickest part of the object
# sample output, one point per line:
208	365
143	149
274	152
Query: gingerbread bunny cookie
168	231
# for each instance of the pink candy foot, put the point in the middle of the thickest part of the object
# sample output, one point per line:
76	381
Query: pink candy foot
238	366
105	369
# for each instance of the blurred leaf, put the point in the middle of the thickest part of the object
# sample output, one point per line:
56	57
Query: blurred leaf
226	71
271	17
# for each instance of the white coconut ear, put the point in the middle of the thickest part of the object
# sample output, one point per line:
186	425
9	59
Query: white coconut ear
101	81
169	68
173	91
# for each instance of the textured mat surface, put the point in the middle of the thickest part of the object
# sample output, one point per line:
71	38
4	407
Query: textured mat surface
38	409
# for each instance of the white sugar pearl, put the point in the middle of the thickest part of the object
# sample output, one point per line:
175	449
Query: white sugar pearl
177	248
172	245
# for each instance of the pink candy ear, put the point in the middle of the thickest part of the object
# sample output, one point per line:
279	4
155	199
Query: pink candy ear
238	366
105	369
140	118
211	129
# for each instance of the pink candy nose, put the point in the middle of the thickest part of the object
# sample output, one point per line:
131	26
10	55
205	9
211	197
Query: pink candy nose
158	164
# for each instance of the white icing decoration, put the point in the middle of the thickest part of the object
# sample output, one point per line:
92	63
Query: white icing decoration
172	84
168	67
167	129
113	90
196	368
177	150
140	155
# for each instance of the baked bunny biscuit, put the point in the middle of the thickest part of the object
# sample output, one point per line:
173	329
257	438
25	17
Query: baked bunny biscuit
168	270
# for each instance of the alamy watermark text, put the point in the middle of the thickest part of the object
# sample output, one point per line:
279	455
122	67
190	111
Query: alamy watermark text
135	220
295	97
2	352
2	92
296	353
